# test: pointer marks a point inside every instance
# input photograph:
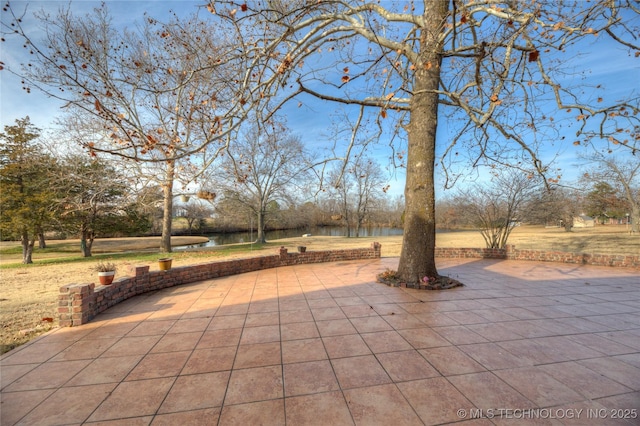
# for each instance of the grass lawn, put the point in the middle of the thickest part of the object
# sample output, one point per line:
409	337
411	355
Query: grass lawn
29	293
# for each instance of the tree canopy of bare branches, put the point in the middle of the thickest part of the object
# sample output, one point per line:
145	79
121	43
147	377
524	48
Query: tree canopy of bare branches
265	164
496	73
357	188
161	93
495	208
493	68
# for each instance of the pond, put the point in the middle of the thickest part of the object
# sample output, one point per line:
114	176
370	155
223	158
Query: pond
329	231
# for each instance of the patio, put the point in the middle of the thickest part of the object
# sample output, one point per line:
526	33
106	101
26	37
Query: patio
521	343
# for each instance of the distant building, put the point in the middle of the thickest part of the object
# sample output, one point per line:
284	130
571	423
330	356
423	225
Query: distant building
584	221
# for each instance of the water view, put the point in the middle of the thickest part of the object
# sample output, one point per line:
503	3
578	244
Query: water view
329	231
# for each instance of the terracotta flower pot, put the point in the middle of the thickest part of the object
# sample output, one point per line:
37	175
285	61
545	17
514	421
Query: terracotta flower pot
164	263
106	277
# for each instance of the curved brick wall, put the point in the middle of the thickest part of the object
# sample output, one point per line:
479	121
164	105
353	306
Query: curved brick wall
79	303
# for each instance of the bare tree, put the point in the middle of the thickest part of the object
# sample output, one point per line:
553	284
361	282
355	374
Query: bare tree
309	214
195	212
340	190
554	206
263	166
358	188
490	65
150	200
232	215
161	94
387	211
496	207
370	188
448	216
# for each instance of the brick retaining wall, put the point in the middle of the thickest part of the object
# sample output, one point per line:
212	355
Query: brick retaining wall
470	253
511	253
79	303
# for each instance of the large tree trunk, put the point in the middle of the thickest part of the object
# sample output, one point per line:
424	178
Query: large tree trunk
417	258
167	210
27	246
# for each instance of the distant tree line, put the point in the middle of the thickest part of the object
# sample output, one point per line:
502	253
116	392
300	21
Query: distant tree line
609	192
267	182
264	182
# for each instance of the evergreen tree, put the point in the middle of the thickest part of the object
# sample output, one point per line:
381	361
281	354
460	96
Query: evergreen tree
25	196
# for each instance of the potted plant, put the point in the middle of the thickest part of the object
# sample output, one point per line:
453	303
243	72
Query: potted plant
106	272
165	263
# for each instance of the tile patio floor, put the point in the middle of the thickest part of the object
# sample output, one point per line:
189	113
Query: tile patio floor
325	344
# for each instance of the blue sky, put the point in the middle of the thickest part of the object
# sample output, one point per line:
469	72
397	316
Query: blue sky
608	64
